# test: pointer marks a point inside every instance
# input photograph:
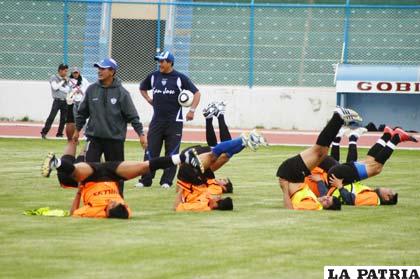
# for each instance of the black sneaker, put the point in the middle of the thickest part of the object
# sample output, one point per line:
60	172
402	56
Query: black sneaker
43	136
191	158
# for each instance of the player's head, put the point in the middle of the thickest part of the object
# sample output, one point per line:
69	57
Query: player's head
116	210
166	61
106	69
62	69
330	202
223	204
387	196
226	183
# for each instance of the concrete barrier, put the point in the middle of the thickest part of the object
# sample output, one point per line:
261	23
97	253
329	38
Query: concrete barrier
297	108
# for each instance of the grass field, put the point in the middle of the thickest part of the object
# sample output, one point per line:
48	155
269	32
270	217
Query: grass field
259	239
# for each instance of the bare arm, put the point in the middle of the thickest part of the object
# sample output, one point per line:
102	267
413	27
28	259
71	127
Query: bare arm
196	101
146	96
76	202
287	202
178	197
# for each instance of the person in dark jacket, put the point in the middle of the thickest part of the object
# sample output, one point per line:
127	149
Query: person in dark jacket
109	107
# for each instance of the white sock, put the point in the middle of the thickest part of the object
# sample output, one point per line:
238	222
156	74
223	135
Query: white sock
176	159
390	145
56	163
381	142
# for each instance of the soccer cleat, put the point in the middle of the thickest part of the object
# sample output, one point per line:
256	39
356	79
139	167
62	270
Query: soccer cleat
343	131
348	115
357	132
165	186
210	110
221	108
253	140
43	136
192	159
47	165
404	136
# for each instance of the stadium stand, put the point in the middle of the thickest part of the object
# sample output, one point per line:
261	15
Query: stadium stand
213	44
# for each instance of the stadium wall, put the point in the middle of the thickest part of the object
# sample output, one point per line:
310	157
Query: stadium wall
293	108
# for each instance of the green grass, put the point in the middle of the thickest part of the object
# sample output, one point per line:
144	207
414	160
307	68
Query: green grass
259	239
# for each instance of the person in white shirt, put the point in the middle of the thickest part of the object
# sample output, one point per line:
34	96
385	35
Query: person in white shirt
59	89
79	84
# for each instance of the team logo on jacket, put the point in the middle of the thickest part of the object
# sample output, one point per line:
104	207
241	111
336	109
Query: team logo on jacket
113	101
164	81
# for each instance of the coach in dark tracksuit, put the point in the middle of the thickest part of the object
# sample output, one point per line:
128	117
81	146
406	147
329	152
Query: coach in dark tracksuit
167	122
109	107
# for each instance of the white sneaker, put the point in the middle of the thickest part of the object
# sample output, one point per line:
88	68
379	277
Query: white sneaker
357	132
139	185
210	110
165	186
348	115
343	131
253	140
221	108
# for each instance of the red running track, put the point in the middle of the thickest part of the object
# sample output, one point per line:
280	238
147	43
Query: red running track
197	134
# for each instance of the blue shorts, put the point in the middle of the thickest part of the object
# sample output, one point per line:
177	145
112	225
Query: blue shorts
361	170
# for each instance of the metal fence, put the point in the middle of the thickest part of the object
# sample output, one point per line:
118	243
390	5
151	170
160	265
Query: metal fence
250	44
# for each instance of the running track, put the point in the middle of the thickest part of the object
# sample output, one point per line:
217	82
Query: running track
197	134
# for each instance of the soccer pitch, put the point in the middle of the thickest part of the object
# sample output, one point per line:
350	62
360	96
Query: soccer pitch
259	239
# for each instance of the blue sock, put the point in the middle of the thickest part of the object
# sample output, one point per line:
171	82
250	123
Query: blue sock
230	147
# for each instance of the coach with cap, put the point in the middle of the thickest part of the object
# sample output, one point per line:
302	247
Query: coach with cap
167	121
109	107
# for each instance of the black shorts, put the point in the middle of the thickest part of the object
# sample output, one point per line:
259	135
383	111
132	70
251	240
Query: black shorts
104	172
293	170
70	114
66	180
347	171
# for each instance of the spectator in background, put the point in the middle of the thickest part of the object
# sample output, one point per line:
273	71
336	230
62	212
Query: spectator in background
79	85
167	122
59	88
109	107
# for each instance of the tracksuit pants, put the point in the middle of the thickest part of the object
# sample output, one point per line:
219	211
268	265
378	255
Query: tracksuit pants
168	133
57	105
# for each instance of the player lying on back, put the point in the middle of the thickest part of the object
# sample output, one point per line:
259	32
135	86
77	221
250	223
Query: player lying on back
344	179
98	182
200	191
292	172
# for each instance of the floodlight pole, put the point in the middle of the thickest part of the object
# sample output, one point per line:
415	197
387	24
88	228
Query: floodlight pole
65	32
345	50
251	45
